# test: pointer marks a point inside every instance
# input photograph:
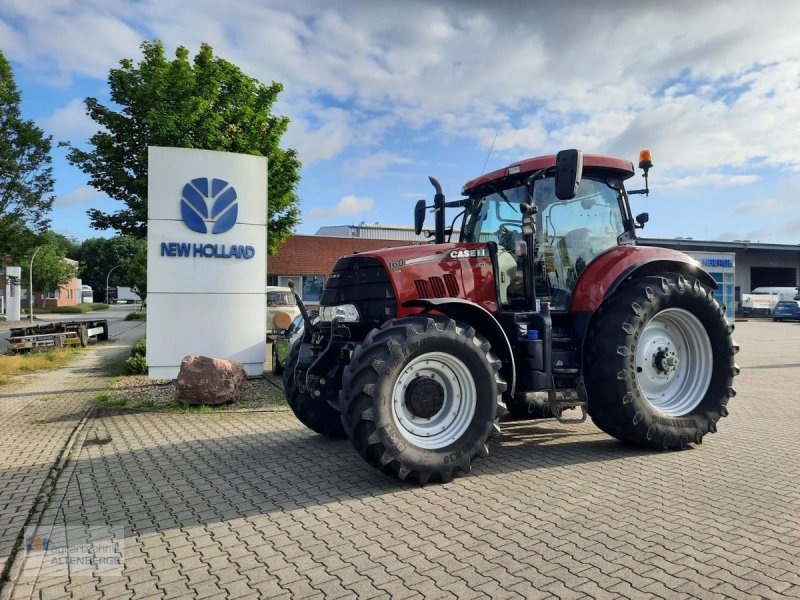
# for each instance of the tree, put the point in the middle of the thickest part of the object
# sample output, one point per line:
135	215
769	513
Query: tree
50	270
98	256
26	175
207	104
137	272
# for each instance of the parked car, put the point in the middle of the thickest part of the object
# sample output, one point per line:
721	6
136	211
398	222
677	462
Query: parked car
281	309
786	309
287	338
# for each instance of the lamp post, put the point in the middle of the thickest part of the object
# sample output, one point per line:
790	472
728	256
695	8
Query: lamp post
30	284
107	276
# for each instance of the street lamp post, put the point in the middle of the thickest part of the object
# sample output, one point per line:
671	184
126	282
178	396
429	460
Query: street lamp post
107	276
30	284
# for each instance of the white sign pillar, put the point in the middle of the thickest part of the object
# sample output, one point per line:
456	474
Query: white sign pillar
206	258
13	293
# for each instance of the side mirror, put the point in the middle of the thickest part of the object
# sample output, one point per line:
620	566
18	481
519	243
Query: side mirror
569	169
419	216
641	219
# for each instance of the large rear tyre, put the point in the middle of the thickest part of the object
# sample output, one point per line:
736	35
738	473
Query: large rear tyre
660	363
314	413
277	367
420	396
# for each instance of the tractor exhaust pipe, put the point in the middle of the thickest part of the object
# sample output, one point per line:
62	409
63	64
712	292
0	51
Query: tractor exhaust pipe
438	210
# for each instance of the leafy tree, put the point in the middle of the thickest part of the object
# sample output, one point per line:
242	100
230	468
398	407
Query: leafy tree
98	256
26	175
208	103
137	271
50	270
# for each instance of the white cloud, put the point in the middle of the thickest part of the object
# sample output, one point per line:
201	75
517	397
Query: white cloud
70	122
374	165
346	207
81	195
720	180
758	207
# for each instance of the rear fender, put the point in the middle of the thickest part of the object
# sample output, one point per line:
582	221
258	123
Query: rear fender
611	269
483	322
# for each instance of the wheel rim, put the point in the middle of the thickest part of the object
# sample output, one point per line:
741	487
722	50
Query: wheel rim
456	404
674	362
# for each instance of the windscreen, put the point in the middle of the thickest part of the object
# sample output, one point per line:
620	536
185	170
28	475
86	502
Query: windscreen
569	233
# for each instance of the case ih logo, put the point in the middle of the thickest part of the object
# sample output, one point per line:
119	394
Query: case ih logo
468	253
195	199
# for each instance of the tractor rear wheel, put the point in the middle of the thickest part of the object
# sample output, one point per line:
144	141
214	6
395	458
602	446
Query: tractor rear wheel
660	363
314	413
419	398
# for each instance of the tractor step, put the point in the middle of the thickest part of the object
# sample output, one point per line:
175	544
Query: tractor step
566	399
565	371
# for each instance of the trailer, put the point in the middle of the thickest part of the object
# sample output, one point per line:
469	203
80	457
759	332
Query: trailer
60	334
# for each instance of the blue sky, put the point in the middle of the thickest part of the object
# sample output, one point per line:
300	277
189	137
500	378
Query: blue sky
382	94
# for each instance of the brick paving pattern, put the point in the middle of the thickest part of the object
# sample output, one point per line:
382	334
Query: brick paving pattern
254	505
37	417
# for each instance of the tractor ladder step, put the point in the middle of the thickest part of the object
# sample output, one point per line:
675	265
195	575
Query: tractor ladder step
566	399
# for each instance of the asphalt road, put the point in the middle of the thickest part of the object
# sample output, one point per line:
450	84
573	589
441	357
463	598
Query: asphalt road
115	316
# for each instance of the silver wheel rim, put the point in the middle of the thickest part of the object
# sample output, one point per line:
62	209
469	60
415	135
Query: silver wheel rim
674	362
457	411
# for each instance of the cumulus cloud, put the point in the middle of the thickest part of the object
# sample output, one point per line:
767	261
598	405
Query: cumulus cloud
70	122
374	165
709	87
81	195
758	207
346	207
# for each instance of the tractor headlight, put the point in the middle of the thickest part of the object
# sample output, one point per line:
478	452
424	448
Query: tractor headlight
347	312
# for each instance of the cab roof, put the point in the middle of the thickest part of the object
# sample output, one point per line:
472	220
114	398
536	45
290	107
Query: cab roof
617	167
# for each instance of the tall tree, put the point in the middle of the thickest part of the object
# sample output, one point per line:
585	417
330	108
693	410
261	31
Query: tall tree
208	103
26	174
99	256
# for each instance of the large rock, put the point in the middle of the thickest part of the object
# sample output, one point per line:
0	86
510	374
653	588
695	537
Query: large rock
208	380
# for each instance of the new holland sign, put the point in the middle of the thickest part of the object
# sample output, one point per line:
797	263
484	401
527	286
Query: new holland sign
206	256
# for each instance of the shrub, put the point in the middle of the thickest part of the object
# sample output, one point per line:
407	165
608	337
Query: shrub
139	348
136	316
136	365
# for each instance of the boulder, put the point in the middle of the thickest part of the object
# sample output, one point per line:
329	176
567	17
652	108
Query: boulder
210	381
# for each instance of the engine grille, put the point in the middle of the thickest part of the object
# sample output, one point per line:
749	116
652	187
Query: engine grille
438	287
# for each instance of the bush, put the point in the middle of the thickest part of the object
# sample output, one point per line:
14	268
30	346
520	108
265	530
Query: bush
139	348
136	365
136	316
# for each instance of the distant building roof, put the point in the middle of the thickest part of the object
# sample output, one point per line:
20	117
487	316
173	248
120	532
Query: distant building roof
316	254
719	246
377	231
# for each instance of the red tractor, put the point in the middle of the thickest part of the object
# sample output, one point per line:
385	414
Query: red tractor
418	349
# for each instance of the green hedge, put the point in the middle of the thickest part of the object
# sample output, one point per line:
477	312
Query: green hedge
137	363
74	309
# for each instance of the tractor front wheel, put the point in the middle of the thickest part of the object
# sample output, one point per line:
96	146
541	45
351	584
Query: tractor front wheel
314	413
660	363
419	398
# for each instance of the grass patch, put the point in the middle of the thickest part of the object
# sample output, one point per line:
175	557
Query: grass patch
136	316
17	364
74	309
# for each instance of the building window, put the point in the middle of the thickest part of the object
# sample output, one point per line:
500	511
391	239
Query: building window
312	287
52	295
272	280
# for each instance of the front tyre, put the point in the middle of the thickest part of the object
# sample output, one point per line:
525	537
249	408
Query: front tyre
314	413
660	363
419	398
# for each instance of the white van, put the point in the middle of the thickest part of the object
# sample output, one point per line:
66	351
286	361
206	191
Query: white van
281	308
762	300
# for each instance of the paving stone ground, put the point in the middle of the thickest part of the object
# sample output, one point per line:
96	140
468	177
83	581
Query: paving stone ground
254	505
38	416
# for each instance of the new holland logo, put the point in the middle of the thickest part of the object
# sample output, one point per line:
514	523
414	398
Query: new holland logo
195	199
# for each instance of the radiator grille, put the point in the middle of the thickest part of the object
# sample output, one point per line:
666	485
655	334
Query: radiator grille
437	287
